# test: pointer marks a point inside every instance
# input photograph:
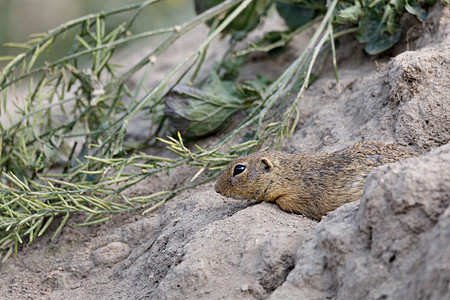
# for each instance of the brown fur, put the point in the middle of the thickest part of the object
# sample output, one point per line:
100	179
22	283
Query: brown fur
312	184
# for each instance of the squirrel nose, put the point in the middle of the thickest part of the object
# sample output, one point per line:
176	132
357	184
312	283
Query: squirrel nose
217	188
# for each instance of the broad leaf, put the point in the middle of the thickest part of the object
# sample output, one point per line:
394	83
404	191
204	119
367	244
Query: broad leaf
196	113
294	16
374	33
349	14
416	10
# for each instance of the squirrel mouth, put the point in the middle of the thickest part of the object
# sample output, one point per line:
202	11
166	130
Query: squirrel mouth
218	189
222	187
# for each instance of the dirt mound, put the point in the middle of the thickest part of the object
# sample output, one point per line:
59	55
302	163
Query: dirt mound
392	244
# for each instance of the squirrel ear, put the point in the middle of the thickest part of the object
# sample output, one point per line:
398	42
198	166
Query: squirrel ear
267	164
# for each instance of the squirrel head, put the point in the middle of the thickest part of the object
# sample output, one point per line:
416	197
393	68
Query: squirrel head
246	177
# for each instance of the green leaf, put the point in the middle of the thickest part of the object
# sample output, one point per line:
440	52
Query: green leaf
382	43
196	113
368	25
391	24
230	69
204	5
295	16
416	10
399	5
247	19
349	14
372	31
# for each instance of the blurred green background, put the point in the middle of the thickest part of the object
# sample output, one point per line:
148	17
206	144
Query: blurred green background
20	18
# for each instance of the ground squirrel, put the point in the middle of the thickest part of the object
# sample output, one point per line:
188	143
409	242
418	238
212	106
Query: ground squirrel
312	184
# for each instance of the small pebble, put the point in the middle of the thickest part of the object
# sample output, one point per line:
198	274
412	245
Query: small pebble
111	253
244	288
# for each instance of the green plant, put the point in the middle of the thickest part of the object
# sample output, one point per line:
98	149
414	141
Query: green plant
66	153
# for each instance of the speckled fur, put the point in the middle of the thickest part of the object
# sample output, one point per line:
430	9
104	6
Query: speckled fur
312	184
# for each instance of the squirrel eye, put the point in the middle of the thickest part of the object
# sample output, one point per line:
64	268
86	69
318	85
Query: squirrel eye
238	169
